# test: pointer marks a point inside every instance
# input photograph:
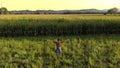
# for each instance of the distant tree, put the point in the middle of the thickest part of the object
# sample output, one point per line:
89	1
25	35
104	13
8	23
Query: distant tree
3	10
112	11
105	13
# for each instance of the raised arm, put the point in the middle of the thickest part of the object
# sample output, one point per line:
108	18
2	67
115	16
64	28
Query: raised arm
52	41
64	41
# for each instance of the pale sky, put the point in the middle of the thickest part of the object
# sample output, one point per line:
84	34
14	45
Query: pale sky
59	4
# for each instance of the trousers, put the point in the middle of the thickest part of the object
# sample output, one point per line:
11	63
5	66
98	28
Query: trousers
58	50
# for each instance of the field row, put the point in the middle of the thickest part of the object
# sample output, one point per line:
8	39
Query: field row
58	27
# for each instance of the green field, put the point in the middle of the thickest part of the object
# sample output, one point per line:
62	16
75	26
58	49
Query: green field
58	25
78	52
91	41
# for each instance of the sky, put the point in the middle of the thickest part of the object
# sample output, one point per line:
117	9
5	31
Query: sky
59	4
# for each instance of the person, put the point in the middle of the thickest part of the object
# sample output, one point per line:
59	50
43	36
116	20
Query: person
58	46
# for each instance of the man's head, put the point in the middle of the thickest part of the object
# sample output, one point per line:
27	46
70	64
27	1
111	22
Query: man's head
58	39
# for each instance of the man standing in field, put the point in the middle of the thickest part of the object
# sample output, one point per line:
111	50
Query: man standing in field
58	46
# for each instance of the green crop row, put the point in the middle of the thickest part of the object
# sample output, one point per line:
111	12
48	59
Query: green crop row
57	27
76	53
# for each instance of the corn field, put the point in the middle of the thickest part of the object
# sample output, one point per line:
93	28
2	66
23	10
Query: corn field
59	25
77	52
91	41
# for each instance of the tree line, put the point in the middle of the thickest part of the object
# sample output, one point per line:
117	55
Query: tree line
4	10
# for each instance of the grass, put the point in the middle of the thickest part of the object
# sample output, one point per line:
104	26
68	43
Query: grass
65	16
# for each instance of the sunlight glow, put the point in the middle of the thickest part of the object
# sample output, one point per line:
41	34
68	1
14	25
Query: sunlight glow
59	4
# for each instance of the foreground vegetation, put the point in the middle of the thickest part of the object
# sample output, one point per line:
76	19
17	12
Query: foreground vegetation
56	25
78	52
